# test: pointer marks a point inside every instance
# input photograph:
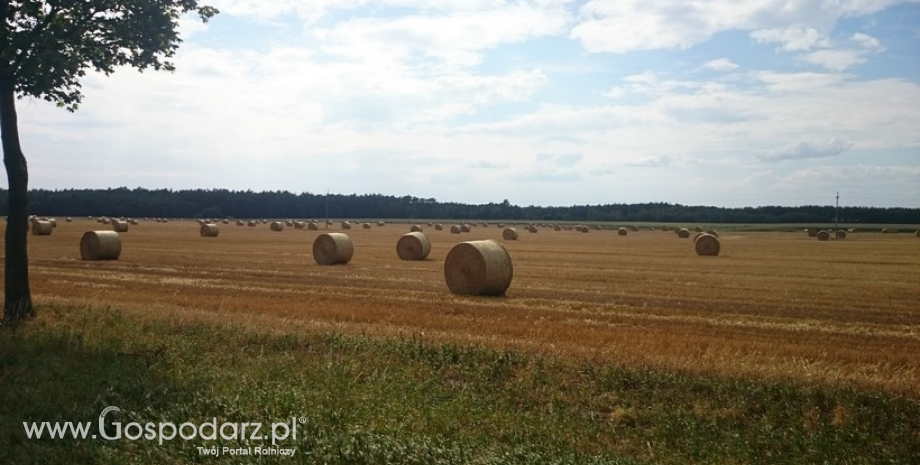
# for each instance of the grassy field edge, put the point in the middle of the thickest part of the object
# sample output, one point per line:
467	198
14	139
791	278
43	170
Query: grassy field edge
408	400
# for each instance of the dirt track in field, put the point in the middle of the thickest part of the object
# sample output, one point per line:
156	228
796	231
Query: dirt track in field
772	305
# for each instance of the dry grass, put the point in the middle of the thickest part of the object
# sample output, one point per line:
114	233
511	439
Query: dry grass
771	306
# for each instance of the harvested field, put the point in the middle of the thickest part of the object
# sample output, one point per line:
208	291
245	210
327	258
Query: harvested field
770	306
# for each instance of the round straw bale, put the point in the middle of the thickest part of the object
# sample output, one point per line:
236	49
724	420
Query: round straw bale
119	226
366	226
812	232
683	233
332	249
413	246
841	234
226	221
510	234
478	268
707	244
823	235
100	245
634	228
465	228
918	233
346	225
622	231
69	219
42	228
416	228
532	229
712	233
132	221
439	227
240	223
455	229
276	226
885	231
53	222
697	229
251	223
299	225
312	226
557	227
381	223
289	223
209	230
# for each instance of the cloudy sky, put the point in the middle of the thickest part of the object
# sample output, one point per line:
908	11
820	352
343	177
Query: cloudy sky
541	102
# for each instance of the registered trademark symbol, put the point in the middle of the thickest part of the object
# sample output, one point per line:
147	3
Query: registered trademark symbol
303	420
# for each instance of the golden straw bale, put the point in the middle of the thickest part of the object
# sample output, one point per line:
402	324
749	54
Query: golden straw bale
100	245
42	228
478	268
706	244
413	246
332	249
209	230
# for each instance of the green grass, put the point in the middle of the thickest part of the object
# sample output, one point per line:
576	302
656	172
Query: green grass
410	401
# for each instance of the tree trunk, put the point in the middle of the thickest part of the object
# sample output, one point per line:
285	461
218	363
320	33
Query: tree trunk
18	302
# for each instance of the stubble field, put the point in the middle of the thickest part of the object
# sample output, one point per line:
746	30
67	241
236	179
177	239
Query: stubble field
774	306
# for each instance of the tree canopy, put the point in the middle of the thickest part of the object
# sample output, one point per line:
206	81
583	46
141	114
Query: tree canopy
47	46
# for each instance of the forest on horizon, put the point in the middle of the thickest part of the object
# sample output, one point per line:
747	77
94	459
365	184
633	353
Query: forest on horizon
223	203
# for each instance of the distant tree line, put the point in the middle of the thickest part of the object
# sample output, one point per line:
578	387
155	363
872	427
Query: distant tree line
222	203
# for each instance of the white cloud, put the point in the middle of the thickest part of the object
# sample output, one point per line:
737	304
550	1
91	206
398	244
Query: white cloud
798	82
867	42
625	25
818	49
805	150
556	168
835	60
792	40
854	177
190	25
455	40
309	11
720	64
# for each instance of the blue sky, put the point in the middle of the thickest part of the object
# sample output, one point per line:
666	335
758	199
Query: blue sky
541	102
